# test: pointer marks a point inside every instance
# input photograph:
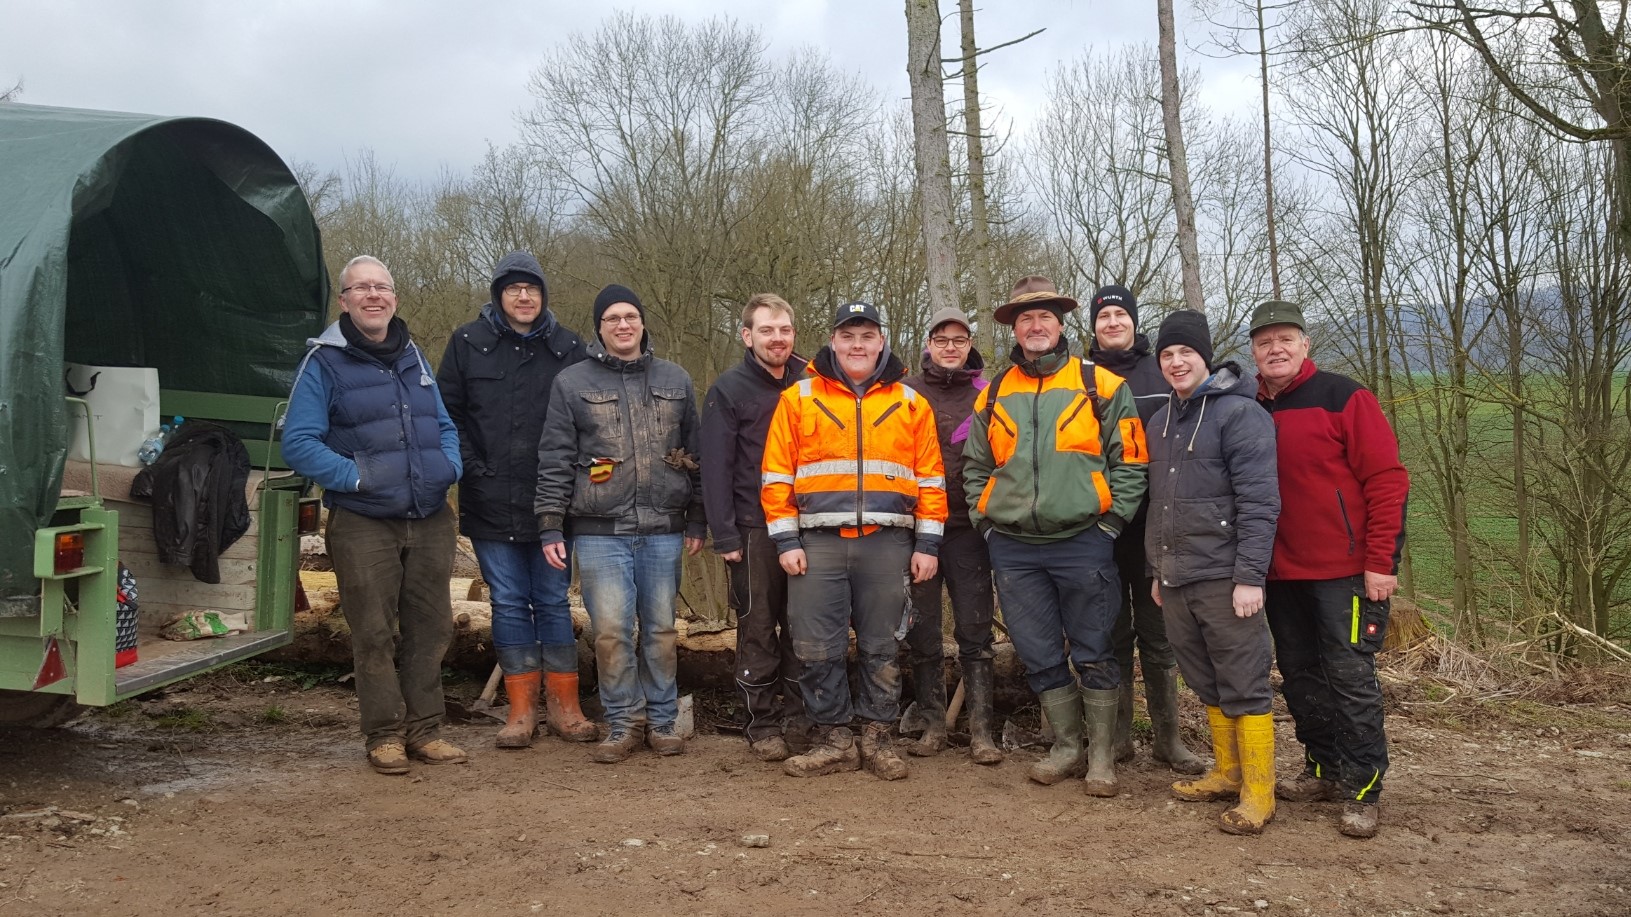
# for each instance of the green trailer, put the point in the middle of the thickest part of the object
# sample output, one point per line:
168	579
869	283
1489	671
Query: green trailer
181	244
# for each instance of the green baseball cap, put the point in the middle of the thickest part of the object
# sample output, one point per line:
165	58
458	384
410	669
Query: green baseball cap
1277	312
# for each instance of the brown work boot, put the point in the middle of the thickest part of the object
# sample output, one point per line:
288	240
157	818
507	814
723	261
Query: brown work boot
878	753
1307	787
438	751
561	710
1358	819
834	751
619	743
388	758
771	748
665	741
522	722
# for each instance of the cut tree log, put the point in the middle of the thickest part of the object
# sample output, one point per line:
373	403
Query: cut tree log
706	659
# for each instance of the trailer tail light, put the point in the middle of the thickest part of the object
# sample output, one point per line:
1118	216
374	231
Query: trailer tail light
70	552
311	512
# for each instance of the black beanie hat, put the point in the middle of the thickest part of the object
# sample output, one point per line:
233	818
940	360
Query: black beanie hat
1188	328
616	293
1114	295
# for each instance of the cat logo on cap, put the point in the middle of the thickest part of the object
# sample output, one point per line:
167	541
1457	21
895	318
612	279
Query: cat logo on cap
857	307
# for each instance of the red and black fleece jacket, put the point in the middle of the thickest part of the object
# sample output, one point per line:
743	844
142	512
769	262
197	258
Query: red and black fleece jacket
1342	487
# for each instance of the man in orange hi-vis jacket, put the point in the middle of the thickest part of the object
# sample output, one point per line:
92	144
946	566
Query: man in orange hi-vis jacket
855	499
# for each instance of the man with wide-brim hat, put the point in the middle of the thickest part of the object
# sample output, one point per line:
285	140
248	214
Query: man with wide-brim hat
1054	468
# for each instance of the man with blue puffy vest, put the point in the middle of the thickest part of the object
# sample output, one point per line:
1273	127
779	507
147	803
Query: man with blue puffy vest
366	422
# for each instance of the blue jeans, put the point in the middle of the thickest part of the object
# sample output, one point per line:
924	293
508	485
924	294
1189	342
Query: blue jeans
630	582
851	582
1059	600
530	611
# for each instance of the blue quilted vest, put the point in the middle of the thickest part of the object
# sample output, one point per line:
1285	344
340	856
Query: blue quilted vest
384	418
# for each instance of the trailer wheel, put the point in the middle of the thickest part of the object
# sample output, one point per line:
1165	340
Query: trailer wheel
32	710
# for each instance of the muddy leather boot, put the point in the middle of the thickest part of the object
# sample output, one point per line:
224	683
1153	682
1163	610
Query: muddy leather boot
561	708
1254	736
833	751
1223	780
1359	819
1308	786
1063	708
1124	716
1099	709
929	681
980	677
522	722
1161	694
619	743
878	753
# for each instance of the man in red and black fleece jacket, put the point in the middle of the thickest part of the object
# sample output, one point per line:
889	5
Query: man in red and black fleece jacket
1335	564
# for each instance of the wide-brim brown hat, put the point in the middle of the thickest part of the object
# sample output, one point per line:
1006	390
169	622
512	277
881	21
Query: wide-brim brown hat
1038	299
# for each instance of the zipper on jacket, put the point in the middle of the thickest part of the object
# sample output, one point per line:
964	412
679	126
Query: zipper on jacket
860	468
1342	505
1036	455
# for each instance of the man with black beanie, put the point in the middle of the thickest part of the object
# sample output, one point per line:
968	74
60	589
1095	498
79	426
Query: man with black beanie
1120	347
618	476
496	376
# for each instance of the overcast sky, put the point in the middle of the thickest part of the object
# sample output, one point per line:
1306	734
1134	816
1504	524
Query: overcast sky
427	83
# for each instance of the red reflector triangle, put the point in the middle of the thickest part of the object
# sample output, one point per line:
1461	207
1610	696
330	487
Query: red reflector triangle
51	668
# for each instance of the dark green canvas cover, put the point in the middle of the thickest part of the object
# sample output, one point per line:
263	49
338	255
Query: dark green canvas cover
134	240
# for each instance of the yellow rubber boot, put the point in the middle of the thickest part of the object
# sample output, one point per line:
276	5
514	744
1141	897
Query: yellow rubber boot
1223	780
1254	735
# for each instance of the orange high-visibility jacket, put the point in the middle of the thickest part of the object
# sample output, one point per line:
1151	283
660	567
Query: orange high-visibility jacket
835	460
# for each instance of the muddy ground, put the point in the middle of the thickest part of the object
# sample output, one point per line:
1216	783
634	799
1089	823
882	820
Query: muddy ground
235	795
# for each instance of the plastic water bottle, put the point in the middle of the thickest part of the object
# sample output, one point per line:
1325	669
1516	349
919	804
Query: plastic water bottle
174	427
152	446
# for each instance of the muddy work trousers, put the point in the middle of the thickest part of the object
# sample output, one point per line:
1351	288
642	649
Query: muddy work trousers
965	570
393	578
1326	634
1140	623
851	582
767	672
1225	659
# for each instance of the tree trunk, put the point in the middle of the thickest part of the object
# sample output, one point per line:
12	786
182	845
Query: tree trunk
1183	203
933	154
1268	156
983	281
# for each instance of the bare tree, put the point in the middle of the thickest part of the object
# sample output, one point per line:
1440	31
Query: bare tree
974	140
12	94
1183	202
933	154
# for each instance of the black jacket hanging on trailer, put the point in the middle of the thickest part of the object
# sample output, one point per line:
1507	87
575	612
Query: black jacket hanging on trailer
197	487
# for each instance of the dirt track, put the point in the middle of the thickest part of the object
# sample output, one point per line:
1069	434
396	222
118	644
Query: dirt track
204	802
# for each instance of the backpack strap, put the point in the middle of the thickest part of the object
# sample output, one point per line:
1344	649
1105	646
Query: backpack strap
1090	383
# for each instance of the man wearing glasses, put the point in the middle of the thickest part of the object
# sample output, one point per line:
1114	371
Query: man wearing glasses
949	380
496	377
367	423
618	474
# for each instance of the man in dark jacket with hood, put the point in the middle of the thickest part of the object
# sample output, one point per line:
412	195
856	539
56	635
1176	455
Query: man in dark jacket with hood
950	380
617	470
496	376
735	420
366	423
1214	498
1120	347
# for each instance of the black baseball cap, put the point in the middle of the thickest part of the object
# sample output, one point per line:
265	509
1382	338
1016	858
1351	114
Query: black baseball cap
857	312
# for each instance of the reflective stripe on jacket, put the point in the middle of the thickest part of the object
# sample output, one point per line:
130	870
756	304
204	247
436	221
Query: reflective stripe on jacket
834	459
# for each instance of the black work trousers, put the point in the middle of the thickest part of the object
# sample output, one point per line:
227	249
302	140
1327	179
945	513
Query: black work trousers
1326	634
965	571
767	672
1139	621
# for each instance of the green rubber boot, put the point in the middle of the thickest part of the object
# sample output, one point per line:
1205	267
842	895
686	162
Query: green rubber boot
1100	710
1063	708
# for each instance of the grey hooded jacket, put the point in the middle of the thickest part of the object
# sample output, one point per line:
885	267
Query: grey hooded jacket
637	419
1214	490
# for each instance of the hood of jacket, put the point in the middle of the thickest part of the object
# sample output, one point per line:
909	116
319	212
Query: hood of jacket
889	369
518	263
